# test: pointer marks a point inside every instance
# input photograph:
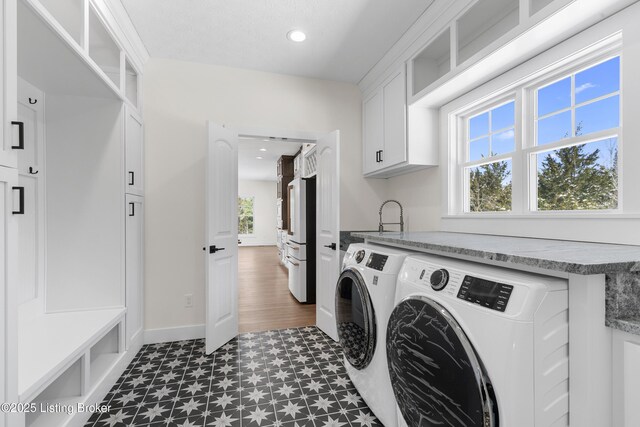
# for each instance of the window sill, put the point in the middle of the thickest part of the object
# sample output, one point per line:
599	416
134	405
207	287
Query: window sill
571	215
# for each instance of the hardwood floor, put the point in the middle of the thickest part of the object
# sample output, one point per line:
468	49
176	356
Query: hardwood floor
264	298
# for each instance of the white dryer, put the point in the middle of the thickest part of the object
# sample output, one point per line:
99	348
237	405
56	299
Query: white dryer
364	300
475	345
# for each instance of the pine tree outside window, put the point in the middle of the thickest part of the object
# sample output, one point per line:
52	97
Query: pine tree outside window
245	215
490	143
579	117
550	145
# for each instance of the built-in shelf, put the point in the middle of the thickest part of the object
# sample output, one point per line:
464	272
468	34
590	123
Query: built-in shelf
102	49
131	83
52	61
483	23
433	62
48	343
69	14
103	355
536	6
65	391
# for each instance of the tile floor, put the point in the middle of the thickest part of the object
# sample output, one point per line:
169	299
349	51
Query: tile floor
288	377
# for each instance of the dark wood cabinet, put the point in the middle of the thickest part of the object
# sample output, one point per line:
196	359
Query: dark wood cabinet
285	175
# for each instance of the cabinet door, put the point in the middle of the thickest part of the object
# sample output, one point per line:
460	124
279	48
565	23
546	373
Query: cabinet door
134	266
8	84
372	132
395	122
31	177
626	379
9	213
134	157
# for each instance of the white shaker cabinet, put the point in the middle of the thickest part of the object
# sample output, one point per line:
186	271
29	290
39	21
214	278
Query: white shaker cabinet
134	157
9	127
134	266
396	138
626	379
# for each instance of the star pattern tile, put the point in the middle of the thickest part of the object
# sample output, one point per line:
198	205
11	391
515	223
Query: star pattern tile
290	377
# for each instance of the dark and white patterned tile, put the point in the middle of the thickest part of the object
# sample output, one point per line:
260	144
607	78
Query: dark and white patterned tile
285	378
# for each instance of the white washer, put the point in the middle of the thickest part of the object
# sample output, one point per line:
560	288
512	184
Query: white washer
364	299
475	345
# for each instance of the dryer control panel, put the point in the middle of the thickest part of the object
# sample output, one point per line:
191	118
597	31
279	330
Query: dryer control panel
486	293
377	261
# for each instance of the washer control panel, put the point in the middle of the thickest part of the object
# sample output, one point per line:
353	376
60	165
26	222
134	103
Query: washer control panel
377	261
486	293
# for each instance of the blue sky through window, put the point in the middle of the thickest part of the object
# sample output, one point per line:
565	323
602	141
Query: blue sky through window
595	82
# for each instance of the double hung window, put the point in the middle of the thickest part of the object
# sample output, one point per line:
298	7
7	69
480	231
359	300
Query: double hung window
552	145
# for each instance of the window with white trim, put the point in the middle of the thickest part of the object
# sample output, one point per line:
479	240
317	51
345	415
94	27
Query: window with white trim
549	146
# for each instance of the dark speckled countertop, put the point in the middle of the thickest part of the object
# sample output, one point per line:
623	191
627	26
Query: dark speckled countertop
619	263
555	255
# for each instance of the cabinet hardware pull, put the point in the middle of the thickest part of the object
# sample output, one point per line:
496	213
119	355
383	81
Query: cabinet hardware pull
131	177
213	249
381	156
377	156
331	246
31	171
33	102
20	210
20	145
133	209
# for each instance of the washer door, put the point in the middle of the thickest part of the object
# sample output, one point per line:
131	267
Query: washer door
355	319
437	377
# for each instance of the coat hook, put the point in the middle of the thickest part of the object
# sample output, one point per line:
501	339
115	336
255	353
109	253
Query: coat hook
31	171
32	101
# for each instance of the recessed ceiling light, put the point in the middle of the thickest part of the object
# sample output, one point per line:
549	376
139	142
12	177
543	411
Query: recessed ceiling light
259	158
263	149
296	36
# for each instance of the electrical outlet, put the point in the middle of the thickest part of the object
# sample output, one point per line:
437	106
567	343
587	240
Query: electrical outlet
188	300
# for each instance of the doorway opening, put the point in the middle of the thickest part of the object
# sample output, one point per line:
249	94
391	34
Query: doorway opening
276	233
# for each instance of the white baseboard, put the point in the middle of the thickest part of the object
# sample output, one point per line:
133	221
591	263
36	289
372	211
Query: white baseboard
178	333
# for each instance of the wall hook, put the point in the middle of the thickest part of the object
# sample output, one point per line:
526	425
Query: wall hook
34	101
31	171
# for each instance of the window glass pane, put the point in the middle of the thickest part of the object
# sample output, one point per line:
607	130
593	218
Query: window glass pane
479	126
478	149
245	215
503	142
490	187
554	97
582	177
503	117
598	81
554	128
600	115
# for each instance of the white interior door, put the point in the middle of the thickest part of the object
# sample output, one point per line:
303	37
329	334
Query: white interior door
221	250
328	231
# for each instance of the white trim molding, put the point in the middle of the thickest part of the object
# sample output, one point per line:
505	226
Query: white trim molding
177	333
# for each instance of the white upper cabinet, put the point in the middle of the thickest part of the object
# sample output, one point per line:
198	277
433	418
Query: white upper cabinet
392	144
134	158
9	127
131	83
373	132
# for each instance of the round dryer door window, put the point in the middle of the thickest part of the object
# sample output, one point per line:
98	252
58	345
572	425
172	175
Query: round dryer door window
355	319
437	377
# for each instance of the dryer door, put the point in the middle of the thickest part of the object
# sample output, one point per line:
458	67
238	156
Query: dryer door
355	319
436	374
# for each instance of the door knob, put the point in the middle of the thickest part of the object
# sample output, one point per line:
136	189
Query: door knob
213	249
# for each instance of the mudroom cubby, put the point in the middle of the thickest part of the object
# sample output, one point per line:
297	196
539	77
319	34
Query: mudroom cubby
97	348
65	340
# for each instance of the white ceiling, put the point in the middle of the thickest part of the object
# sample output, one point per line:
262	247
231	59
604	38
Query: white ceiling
251	168
345	39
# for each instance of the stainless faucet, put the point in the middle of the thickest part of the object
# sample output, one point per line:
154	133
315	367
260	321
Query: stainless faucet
382	224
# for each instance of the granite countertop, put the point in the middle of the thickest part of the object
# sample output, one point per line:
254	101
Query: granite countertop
619	263
555	255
